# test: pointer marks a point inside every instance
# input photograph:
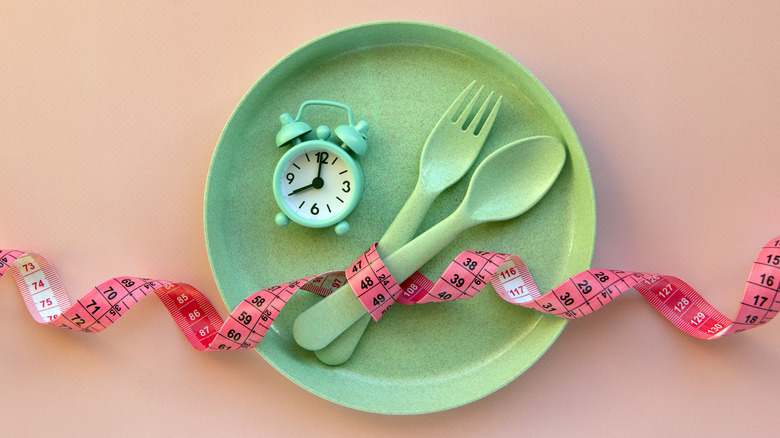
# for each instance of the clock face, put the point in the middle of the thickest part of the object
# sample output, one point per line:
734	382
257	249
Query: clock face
318	184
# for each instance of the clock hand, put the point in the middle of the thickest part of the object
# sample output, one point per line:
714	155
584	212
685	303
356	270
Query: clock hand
319	167
317	183
300	189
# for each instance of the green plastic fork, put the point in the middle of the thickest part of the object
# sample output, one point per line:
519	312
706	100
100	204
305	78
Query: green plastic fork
448	153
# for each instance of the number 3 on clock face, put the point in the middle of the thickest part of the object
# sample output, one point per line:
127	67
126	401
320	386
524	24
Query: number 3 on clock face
317	184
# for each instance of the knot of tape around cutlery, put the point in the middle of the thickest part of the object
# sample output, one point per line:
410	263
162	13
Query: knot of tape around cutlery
468	274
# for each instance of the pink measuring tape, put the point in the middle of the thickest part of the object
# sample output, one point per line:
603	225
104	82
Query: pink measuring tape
580	295
47	302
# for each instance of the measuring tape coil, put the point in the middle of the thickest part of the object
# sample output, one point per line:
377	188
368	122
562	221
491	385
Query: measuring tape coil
48	303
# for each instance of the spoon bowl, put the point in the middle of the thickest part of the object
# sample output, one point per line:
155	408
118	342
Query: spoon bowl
526	175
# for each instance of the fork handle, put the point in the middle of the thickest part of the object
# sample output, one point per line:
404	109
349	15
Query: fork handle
323	322
406	223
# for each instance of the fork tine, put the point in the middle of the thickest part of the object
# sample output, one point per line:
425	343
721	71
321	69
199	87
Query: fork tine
478	117
450	113
464	115
485	129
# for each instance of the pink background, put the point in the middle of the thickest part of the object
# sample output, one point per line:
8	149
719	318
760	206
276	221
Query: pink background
109	117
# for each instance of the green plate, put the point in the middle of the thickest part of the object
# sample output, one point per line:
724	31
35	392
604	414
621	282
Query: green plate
400	77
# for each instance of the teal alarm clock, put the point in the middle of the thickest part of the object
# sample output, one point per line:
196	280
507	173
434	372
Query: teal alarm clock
319	182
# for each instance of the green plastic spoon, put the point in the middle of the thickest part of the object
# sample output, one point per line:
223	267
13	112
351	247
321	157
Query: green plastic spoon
526	169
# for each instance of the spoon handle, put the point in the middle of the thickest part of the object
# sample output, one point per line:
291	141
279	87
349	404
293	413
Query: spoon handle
314	329
342	348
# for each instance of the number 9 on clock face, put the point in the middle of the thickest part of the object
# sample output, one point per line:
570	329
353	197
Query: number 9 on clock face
317	184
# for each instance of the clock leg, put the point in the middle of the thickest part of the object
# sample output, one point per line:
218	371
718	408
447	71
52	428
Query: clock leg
341	228
283	220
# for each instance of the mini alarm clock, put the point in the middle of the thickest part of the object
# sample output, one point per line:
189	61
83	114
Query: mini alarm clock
318	182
